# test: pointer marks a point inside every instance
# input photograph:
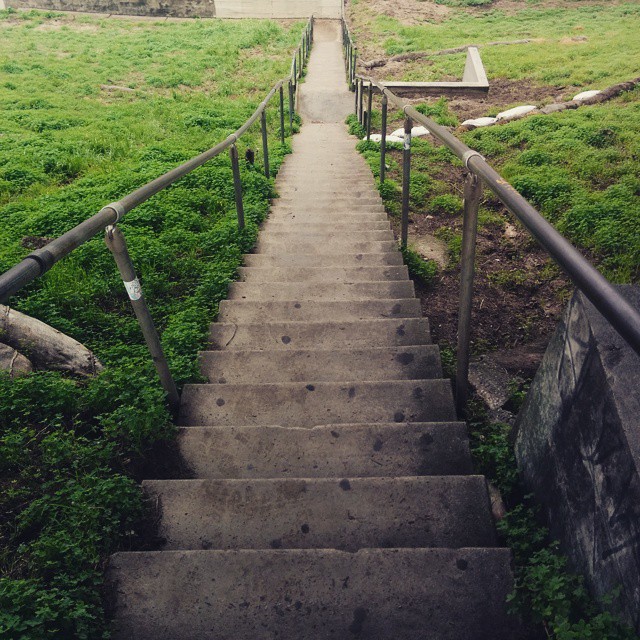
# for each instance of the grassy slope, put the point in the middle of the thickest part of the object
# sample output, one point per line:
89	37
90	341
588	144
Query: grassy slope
608	55
67	147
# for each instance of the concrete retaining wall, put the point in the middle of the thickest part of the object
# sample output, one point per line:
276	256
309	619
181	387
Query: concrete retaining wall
578	448
192	8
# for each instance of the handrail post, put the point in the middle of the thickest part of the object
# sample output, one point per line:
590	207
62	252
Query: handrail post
406	181
383	140
115	241
281	114
295	70
265	143
291	107
355	95
361	101
369	107
300	65
472	196
237	184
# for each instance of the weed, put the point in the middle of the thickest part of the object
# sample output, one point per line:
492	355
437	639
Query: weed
419	268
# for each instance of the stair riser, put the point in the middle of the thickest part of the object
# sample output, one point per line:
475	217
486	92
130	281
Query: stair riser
245	367
242	311
294	224
303	406
332	451
335	247
320	290
334	513
357	334
300	260
406	594
302	234
327	274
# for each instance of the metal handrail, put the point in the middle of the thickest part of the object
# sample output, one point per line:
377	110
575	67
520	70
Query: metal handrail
41	260
622	316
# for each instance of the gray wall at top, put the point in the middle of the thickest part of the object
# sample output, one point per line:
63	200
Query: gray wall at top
192	8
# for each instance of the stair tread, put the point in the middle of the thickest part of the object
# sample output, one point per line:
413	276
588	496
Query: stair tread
299	405
323	513
318	310
301	334
316	365
345	450
377	594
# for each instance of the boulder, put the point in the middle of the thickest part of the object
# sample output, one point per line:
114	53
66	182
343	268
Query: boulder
578	449
584	95
475	123
516	112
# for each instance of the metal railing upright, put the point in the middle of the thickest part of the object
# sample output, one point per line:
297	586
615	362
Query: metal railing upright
622	316
41	260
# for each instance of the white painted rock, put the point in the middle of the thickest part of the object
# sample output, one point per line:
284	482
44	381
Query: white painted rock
377	137
516	111
479	122
416	132
398	133
586	94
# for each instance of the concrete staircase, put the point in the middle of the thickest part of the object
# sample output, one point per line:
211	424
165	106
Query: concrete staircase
332	492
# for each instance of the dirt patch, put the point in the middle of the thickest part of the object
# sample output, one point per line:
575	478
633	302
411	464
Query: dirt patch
410	12
505	93
519	294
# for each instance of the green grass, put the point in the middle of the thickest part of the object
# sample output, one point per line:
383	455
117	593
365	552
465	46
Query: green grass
607	56
580	169
69	448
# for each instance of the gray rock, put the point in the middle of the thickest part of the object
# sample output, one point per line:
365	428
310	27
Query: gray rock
13	362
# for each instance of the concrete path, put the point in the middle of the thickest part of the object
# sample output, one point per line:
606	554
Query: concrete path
332	494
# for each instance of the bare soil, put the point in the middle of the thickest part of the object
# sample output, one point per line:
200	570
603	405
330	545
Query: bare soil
519	294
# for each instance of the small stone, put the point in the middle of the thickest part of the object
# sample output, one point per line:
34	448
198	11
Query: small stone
416	132
584	95
516	112
475	123
398	133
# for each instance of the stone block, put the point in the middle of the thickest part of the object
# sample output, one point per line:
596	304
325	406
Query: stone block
578	448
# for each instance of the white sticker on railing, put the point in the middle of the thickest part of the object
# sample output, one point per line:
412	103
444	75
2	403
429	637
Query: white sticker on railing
407	141
134	289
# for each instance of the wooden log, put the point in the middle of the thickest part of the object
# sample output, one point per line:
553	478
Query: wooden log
46	347
13	362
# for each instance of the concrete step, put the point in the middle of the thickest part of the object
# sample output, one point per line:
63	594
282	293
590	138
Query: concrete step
303	234
300	405
329	201
323	513
322	274
250	311
336	191
300	260
294	224
302	216
374	594
315	207
321	290
327	451
347	245
328	335
318	365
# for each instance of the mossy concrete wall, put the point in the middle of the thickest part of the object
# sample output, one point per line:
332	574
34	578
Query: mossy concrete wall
192	8
578	448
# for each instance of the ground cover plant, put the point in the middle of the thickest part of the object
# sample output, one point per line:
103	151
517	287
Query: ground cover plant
93	108
579	168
